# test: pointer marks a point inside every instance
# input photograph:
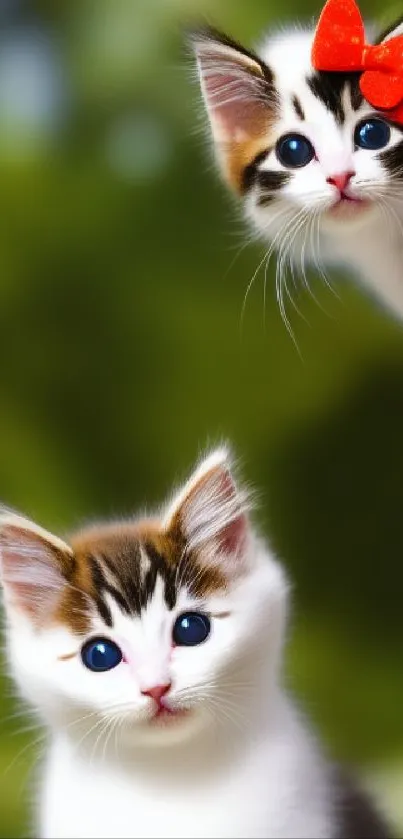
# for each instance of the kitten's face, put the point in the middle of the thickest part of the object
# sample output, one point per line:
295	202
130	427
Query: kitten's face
149	628
302	148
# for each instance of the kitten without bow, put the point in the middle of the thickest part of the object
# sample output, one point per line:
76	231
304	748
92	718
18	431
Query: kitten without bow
152	650
319	171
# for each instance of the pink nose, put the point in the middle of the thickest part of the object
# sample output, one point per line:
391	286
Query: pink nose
341	180
157	692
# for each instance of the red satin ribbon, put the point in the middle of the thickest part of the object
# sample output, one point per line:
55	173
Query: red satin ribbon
339	46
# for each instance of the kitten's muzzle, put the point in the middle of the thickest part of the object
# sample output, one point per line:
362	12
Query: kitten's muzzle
345	199
157	692
341	181
162	708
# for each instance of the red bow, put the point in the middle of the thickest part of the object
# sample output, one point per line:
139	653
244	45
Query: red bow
339	46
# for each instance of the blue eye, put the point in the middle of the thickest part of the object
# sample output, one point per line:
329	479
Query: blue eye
372	134
101	654
294	151
190	629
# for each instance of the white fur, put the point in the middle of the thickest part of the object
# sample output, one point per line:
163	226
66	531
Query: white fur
371	243
243	763
298	224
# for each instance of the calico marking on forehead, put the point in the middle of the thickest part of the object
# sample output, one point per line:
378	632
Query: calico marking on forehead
198	546
336	90
125	564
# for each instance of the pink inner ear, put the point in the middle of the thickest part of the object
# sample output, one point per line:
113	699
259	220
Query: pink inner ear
233	536
234	96
31	570
35	598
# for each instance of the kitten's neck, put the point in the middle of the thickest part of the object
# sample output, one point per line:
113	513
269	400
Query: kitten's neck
376	256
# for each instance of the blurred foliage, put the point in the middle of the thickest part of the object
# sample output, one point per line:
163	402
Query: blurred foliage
122	281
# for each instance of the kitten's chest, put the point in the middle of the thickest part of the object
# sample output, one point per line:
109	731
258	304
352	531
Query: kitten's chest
108	804
256	799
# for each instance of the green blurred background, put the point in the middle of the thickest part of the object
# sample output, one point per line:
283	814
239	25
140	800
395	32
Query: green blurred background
122	279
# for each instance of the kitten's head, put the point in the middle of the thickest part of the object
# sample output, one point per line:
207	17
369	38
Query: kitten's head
301	147
161	625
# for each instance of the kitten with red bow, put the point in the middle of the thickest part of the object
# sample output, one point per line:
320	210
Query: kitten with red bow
308	132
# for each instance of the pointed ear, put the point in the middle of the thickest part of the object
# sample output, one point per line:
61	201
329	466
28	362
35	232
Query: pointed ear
34	566
240	98
211	511
392	31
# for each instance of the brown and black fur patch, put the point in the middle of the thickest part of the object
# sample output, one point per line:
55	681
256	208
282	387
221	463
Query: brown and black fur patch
356	815
251	171
392	160
239	159
296	103
270	183
125	562
243	119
